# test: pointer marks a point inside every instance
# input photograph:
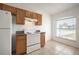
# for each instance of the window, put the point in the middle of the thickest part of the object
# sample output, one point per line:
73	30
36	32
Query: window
66	28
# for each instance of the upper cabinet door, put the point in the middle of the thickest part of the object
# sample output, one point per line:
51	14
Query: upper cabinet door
39	20
9	8
20	16
1	6
34	15
28	14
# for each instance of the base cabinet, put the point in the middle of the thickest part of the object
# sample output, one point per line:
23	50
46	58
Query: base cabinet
20	44
42	39
20	18
26	44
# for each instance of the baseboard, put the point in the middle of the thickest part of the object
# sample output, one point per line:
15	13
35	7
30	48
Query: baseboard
75	44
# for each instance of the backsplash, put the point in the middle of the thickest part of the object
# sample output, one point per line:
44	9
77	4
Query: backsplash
22	27
19	27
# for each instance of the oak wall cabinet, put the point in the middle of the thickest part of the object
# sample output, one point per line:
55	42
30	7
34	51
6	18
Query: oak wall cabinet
20	17
9	8
34	15
1	6
39	20
28	14
21	14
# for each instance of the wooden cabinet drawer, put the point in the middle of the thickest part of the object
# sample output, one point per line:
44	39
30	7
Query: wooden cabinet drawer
21	37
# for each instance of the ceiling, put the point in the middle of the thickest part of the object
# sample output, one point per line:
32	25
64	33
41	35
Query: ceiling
50	8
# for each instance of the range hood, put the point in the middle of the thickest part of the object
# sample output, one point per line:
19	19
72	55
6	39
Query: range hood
30	25
30	20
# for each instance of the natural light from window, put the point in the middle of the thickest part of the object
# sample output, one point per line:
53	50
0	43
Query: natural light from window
66	28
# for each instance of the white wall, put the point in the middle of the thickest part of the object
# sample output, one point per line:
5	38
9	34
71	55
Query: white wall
46	25
69	12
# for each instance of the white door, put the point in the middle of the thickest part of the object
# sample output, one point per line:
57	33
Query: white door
5	42
5	19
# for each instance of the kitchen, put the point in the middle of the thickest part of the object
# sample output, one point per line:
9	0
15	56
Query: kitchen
24	37
34	29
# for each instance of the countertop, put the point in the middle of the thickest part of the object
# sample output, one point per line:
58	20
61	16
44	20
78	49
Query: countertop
22	33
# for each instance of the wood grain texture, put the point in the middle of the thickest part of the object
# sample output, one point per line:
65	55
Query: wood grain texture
1	5
20	44
42	39
20	16
39	20
9	8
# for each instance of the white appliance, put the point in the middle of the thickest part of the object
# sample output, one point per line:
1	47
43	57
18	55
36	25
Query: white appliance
33	48
33	42
30	25
5	32
33	39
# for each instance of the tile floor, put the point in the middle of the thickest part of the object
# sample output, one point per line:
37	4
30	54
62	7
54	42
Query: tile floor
56	48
